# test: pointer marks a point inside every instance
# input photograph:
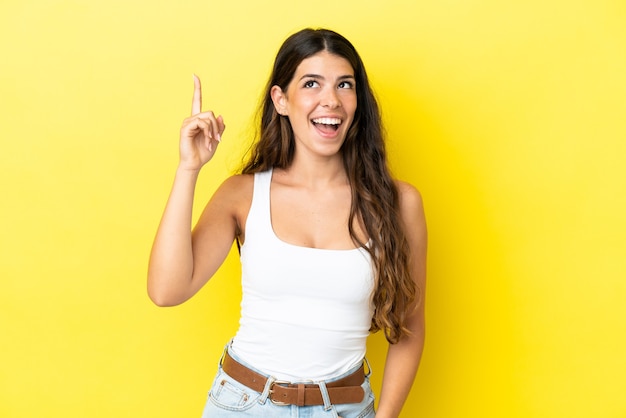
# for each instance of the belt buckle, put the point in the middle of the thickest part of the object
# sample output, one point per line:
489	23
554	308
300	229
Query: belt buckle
271	391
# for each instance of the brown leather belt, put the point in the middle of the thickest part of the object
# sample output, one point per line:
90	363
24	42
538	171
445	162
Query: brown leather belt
345	390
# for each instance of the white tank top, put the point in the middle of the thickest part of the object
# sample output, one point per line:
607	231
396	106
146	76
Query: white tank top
305	312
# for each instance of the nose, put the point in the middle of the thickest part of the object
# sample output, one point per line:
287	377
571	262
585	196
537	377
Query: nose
330	99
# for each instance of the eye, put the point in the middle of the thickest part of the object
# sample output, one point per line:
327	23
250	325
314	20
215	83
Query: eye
346	85
309	84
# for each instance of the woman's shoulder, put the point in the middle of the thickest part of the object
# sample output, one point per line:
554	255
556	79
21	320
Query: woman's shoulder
234	197
237	186
238	180
411	203
409	194
412	212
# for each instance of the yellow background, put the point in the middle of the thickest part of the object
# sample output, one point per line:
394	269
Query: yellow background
508	115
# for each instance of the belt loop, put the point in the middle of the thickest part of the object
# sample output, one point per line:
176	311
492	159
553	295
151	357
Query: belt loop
224	352
300	401
369	368
325	396
266	390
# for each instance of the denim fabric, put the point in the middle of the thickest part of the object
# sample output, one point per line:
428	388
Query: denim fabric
230	399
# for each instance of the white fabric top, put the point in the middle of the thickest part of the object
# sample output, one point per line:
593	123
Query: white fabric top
305	312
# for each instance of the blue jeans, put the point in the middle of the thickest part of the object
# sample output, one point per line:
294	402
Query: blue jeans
230	399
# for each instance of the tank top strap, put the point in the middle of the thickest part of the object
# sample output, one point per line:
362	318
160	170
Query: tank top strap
258	224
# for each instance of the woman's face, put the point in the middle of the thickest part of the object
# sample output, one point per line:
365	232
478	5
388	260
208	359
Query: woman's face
320	102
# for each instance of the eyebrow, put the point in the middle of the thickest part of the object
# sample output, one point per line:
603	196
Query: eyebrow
319	77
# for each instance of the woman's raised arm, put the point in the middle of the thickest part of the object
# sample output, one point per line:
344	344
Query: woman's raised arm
175	271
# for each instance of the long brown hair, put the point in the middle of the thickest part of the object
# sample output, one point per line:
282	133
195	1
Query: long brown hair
375	200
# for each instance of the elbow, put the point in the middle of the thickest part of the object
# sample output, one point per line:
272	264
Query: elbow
163	296
162	300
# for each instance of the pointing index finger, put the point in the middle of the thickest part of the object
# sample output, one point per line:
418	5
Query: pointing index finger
196	104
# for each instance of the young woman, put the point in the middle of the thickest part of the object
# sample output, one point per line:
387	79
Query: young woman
332	247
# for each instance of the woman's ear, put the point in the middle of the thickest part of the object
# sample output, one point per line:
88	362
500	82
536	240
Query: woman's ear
279	99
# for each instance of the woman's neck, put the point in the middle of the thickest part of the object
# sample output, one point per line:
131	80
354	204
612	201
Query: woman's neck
315	173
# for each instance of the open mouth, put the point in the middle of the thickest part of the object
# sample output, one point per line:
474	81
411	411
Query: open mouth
327	125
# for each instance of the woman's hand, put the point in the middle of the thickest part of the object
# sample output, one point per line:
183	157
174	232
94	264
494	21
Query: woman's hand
200	133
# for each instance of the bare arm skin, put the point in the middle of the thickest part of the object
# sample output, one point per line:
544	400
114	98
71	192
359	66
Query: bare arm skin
404	357
175	271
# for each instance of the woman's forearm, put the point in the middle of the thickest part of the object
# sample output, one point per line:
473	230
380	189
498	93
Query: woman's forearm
171	259
401	366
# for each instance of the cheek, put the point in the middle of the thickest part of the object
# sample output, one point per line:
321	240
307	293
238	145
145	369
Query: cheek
309	103
302	98
351	107
349	102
